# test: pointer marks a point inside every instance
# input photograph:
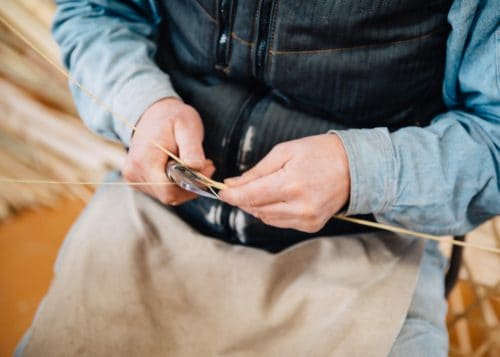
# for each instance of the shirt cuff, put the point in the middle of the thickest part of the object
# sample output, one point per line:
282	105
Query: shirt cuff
134	97
372	167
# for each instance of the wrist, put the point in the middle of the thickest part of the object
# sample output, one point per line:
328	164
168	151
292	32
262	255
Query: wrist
372	167
168	104
341	166
162	109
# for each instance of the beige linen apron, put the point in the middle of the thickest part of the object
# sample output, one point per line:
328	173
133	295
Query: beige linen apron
135	280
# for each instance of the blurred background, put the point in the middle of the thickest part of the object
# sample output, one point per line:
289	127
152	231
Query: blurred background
42	138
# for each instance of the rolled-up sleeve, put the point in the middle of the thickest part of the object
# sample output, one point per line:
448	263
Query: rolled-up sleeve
109	47
444	178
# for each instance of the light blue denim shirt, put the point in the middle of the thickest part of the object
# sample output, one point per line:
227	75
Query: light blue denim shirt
441	179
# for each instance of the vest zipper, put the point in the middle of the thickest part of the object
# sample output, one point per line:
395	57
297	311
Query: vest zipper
232	148
234	137
265	17
225	27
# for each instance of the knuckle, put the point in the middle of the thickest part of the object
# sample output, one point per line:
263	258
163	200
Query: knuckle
251	212
316	225
310	229
166	197
233	197
129	169
127	174
189	108
190	112
304	228
252	202
309	212
265	219
293	189
243	197
279	149
162	199
311	226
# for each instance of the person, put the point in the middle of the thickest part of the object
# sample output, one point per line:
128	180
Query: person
311	108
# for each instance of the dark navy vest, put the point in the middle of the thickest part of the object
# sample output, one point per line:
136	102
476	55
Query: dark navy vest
264	71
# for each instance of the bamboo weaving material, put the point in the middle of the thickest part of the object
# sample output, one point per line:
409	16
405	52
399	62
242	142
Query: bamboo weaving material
84	183
209	182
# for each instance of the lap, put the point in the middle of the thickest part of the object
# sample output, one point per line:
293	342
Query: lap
134	279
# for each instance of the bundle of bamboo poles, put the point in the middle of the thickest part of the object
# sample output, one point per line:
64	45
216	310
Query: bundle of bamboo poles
41	136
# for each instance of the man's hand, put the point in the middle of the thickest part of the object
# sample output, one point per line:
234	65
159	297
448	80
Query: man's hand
178	128
300	184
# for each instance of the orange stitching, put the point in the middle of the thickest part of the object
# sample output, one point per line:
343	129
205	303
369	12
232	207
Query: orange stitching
239	39
305	52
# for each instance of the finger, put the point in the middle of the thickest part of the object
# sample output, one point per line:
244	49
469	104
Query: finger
174	195
183	197
281	223
168	193
208	169
272	162
274	211
189	139
291	222
261	191
289	215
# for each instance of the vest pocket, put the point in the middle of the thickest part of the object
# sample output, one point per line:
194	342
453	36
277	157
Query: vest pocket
359	86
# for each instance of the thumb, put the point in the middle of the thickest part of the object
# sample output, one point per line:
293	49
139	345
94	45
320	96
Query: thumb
189	138
272	162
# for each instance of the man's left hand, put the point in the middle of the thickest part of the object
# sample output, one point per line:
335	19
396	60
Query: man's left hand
299	184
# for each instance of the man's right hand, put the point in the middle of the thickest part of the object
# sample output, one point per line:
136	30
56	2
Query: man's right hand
177	127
